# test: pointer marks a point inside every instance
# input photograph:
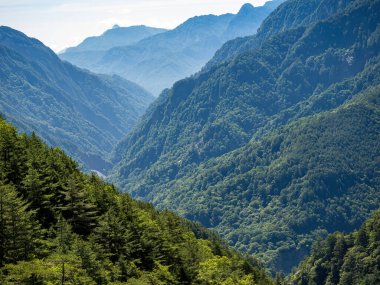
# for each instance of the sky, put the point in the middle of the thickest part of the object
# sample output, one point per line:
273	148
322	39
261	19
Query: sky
63	23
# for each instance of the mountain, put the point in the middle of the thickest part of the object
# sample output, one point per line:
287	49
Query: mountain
282	19
81	112
117	36
276	195
157	62
93	48
344	259
59	225
248	19
273	147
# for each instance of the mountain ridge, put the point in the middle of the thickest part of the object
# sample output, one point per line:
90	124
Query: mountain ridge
117	36
157	62
281	20
69	107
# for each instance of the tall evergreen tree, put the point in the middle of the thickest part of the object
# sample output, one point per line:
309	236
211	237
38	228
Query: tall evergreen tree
19	233
76	207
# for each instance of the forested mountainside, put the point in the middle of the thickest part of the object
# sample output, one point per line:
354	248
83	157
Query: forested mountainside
83	113
271	146
157	62
60	226
276	195
344	259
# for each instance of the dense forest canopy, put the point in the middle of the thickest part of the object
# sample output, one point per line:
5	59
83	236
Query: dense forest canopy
57	223
343	259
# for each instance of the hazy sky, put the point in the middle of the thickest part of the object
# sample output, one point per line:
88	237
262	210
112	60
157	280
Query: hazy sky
63	23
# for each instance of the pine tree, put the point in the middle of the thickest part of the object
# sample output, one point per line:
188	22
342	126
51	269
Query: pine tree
19	234
116	237
64	239
76	207
38	193
362	238
12	154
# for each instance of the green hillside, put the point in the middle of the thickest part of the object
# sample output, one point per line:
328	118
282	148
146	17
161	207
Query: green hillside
344	259
60	226
276	195
81	112
243	146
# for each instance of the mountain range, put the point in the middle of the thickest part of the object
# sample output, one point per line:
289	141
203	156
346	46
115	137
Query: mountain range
263	163
84	113
276	145
117	36
158	61
93	48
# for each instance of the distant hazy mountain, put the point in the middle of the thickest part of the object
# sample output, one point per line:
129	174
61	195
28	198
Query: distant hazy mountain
276	145
249	19
83	113
157	62
117	36
93	48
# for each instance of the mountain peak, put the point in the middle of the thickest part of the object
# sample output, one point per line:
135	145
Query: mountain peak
116	26
246	8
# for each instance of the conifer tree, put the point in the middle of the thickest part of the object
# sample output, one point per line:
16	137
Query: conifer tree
19	234
76	207
12	154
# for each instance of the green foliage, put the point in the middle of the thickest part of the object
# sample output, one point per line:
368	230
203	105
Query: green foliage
60	226
221	270
275	147
343	259
290	190
76	207
47	272
19	233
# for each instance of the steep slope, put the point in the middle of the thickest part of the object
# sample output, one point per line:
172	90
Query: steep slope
93	48
276	195
83	113
158	61
59	225
169	157
344	259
